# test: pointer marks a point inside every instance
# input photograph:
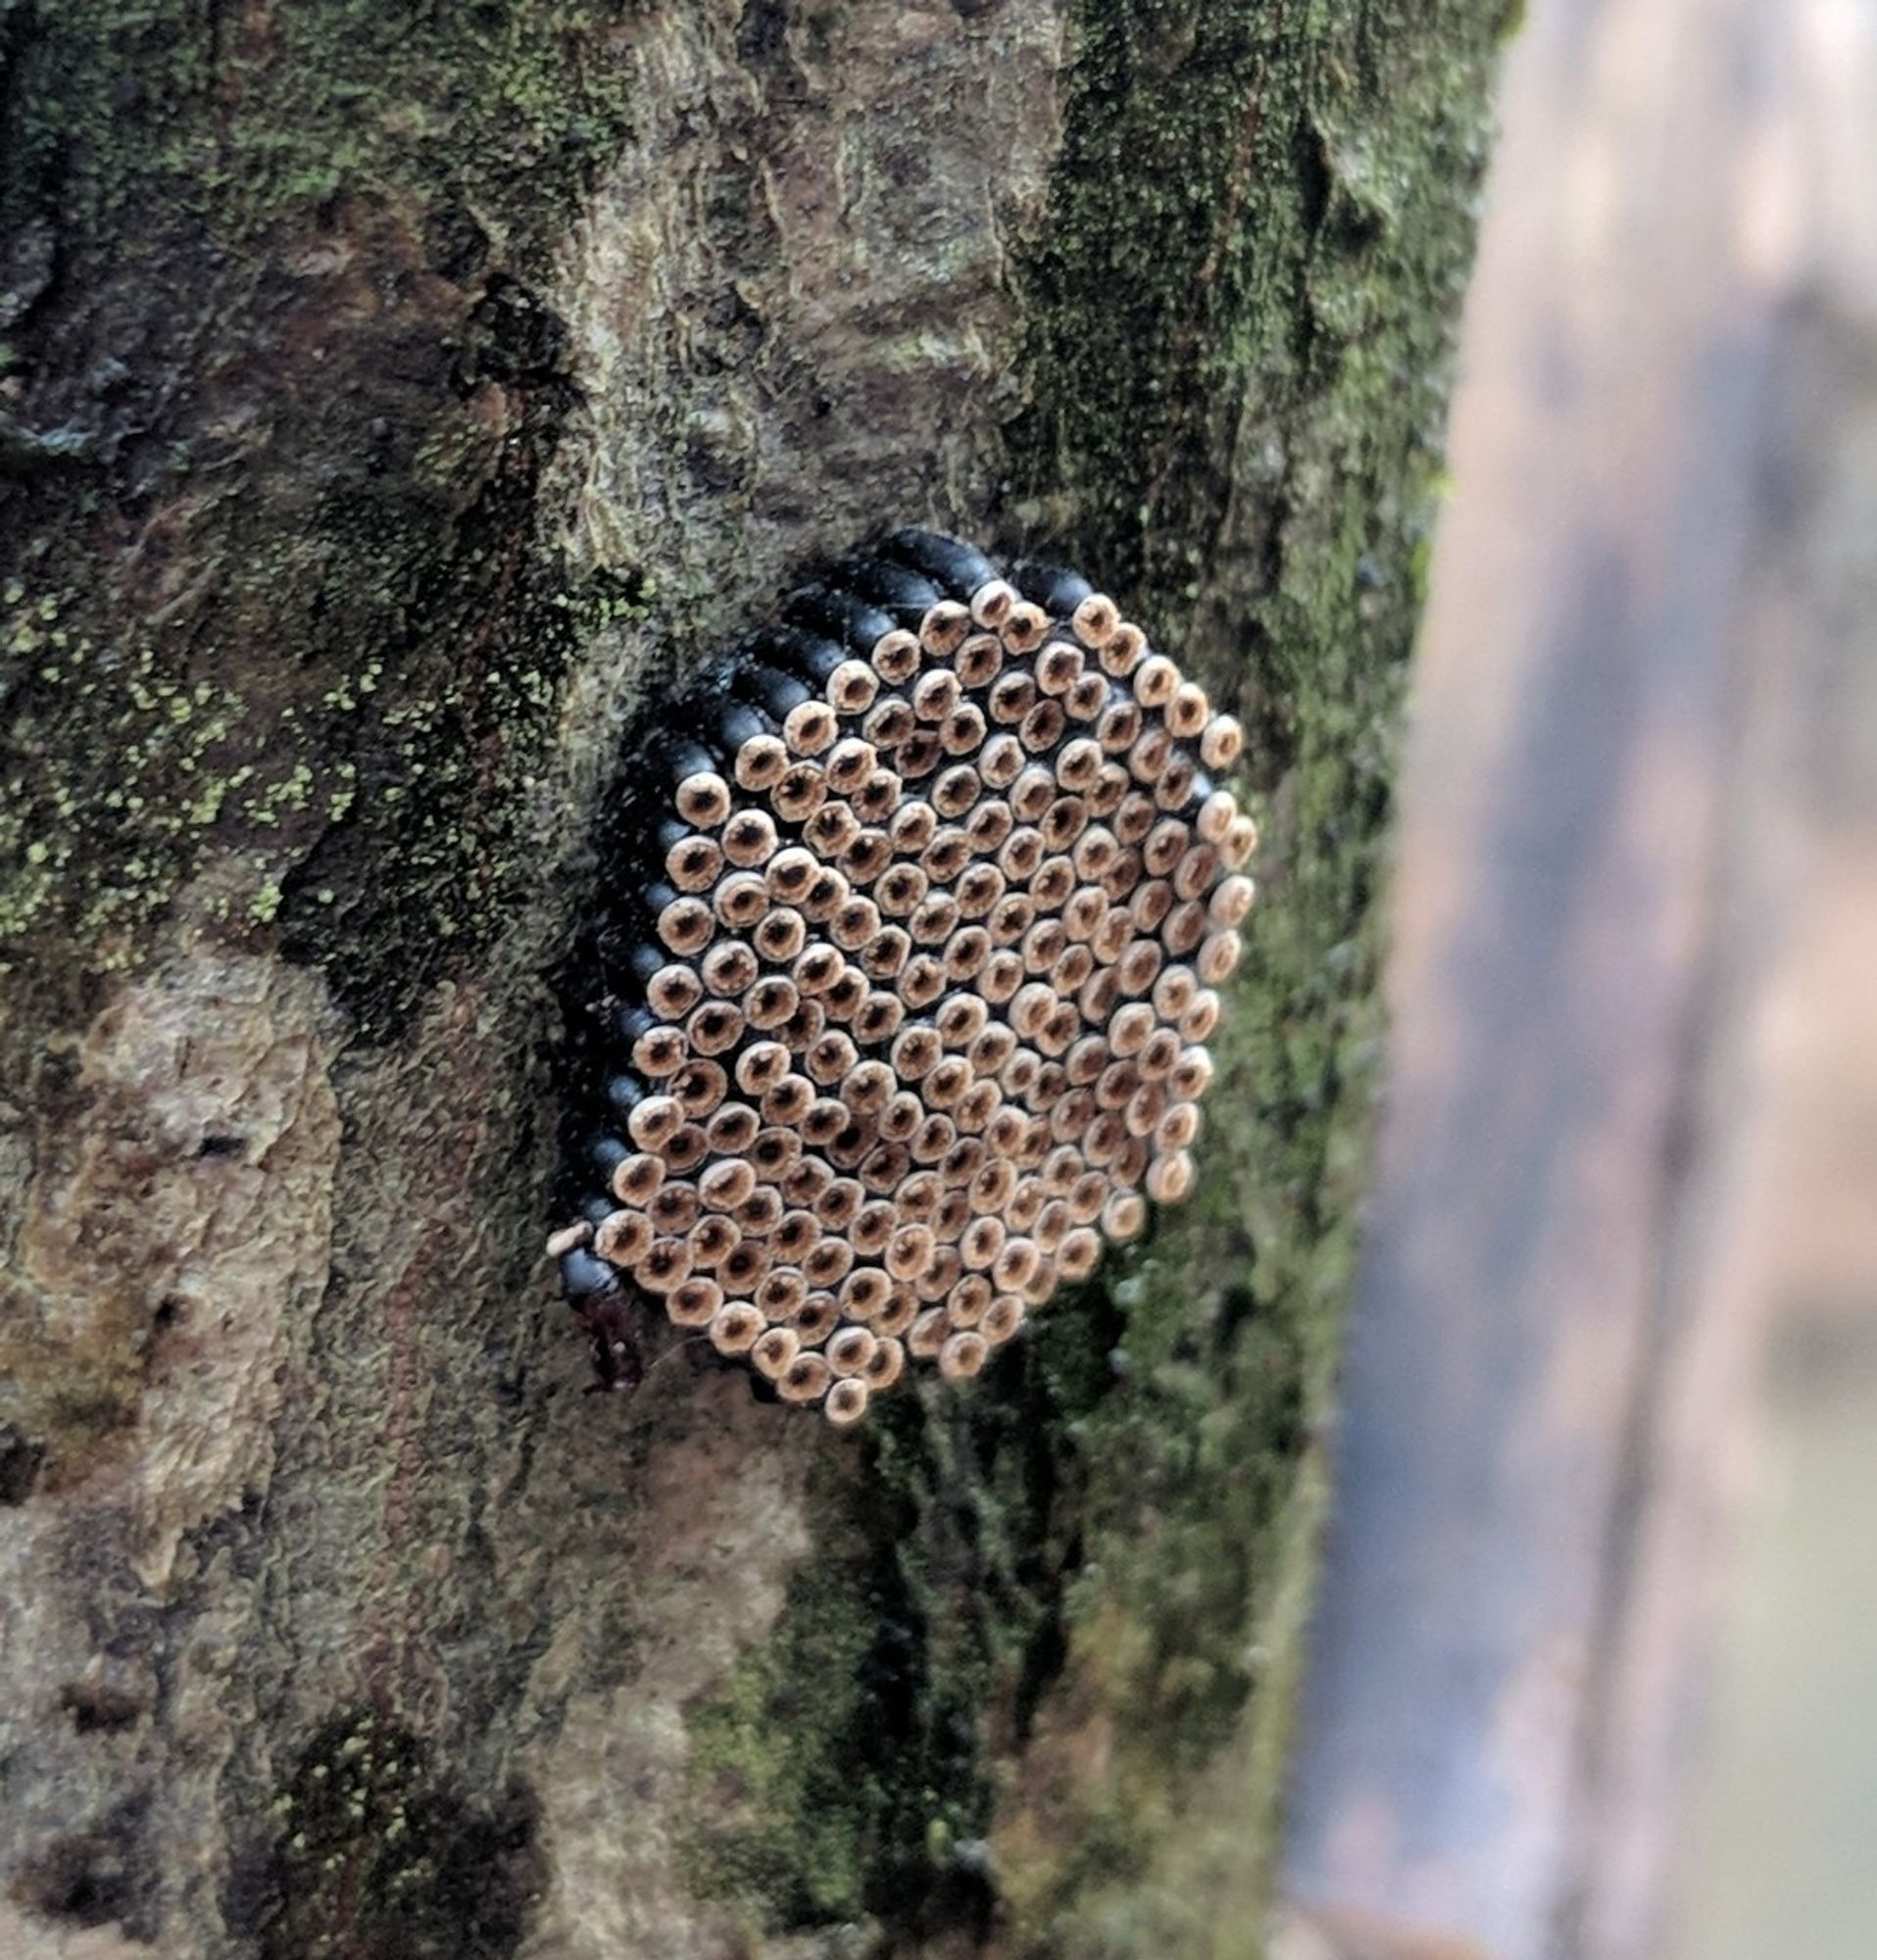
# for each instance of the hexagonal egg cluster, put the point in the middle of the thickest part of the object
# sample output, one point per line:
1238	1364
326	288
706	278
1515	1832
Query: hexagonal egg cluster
913	930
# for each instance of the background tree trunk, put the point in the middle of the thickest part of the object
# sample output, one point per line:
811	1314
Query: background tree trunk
394	392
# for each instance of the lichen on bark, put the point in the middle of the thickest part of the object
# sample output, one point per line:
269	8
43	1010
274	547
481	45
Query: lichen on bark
394	396
281	380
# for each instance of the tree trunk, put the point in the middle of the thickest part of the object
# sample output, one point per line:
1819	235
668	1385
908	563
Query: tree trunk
393	394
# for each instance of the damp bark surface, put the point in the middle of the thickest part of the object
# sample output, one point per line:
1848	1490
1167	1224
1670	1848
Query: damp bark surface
393	400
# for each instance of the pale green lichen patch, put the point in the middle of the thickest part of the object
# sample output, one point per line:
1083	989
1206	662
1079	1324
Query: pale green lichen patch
373	1852
170	785
276	628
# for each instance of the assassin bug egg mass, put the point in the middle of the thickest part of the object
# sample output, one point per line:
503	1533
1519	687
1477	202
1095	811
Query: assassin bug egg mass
913	916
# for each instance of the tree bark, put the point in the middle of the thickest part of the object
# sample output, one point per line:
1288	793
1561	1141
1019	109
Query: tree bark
393	394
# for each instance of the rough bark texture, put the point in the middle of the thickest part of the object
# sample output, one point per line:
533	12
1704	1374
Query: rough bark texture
393	392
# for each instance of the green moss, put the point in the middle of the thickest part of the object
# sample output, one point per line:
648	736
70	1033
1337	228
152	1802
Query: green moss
872	1818
274	622
368	1852
503	104
1307	236
1241	305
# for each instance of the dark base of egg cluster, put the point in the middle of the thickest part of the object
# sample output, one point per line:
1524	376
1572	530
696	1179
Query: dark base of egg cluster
896	1002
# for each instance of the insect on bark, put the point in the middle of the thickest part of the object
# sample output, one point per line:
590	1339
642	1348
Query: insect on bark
915	921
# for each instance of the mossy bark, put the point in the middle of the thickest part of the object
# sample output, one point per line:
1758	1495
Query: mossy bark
393	394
